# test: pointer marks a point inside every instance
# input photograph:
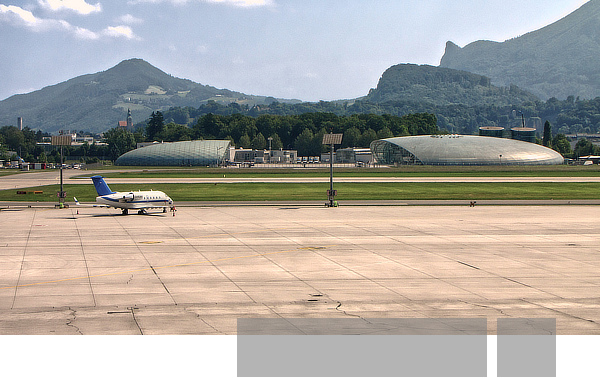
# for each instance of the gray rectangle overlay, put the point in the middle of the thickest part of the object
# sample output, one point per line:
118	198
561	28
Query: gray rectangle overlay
361	326
362	348
526	347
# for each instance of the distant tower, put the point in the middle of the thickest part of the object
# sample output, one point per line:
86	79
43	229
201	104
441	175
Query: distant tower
129	120
20	123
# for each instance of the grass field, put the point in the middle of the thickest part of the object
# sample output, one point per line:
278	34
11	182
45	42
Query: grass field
409	171
317	191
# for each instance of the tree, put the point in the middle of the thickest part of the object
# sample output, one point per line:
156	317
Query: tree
119	142
385	133
351	137
259	142
175	133
244	141
547	139
276	143
583	148
303	143
367	137
561	144
13	137
156	125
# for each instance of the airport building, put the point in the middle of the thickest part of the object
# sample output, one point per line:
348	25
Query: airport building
461	150
245	155
188	153
354	155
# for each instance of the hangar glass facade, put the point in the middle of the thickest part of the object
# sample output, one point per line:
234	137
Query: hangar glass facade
461	150
188	153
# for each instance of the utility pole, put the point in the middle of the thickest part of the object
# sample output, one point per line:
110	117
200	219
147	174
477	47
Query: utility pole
61	140
331	140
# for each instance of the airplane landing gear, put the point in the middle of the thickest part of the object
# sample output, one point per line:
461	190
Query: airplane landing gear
142	212
125	211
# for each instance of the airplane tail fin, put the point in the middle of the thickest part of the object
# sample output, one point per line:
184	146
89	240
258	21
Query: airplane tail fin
101	186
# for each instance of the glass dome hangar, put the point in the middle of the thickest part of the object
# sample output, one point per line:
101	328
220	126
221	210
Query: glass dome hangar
188	153
461	150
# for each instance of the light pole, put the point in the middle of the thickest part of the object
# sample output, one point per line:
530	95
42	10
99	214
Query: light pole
270	154
61	140
331	140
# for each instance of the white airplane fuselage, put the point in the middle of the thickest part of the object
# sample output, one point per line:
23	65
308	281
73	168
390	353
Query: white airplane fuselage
136	200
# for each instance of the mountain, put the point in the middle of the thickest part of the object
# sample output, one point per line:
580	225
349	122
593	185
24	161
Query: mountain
558	60
96	102
442	86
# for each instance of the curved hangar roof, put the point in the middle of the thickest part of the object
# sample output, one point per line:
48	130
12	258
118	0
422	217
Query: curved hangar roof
188	153
461	150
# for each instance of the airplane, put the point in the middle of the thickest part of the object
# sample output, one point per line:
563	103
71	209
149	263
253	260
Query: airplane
140	200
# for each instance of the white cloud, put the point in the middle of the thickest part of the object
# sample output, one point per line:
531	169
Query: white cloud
120	31
79	6
129	19
24	18
83	33
237	3
18	15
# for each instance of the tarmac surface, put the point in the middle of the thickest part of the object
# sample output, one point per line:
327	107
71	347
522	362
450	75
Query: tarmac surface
94	271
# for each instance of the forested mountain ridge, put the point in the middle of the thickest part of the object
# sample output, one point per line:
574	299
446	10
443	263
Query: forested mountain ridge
443	86
96	102
558	60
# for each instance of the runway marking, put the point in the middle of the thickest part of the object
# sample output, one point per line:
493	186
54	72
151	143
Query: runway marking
149	269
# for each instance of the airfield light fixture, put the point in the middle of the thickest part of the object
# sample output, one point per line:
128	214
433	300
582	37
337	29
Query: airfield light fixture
331	139
61	140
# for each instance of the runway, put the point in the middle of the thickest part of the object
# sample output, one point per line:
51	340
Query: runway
31	179
98	272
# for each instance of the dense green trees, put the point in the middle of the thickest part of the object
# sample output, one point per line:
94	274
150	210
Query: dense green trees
303	132
22	142
119	141
585	148
561	144
568	116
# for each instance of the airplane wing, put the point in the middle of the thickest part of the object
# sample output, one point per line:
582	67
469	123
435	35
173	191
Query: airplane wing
86	204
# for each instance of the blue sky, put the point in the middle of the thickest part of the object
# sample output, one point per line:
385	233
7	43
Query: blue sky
306	49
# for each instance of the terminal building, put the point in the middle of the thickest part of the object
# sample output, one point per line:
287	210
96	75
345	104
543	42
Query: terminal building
188	153
461	150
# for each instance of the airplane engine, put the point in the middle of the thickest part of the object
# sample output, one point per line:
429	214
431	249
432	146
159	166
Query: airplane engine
128	197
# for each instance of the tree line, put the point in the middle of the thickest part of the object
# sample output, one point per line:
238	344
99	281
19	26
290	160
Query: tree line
569	116
15	143
302	132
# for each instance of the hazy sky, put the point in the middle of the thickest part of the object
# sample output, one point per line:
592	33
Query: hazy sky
306	49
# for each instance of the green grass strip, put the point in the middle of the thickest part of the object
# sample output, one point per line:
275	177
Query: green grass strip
317	191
